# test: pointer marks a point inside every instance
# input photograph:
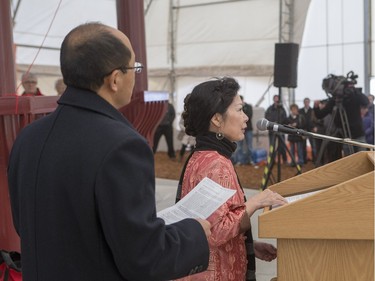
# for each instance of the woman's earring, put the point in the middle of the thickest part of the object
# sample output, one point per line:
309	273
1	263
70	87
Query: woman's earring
219	136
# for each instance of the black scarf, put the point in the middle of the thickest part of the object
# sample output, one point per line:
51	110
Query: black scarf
210	142
225	147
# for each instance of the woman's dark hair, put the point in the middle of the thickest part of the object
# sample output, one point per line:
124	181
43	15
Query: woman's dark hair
90	52
293	105
207	99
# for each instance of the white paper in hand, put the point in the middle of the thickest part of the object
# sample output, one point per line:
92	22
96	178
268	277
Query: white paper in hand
200	202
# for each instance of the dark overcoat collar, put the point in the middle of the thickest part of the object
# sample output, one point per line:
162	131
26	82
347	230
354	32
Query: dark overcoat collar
89	100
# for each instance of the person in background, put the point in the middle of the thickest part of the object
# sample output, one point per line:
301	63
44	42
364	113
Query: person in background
166	128
371	104
308	113
326	126
368	124
351	103
213	115
60	86
276	113
320	127
30	85
81	179
243	153
296	120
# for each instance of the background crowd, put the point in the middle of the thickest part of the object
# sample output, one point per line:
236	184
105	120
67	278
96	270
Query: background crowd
29	83
313	117
358	108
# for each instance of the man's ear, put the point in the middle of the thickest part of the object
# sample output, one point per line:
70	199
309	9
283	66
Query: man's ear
113	80
217	119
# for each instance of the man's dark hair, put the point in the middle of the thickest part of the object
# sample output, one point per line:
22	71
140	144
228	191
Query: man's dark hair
207	99
90	52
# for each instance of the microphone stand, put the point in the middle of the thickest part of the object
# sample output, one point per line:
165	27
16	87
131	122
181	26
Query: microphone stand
303	133
335	139
299	132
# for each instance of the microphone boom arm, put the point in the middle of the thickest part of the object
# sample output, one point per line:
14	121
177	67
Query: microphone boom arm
343	140
263	124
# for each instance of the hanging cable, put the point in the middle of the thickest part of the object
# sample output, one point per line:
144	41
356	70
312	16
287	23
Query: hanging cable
148	6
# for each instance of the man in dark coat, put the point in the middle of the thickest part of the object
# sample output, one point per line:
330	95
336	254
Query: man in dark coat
166	128
308	113
276	113
82	183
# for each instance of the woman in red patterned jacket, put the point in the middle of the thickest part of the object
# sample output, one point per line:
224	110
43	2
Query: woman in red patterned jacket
213	114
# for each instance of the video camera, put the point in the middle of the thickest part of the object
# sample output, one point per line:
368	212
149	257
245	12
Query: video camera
340	87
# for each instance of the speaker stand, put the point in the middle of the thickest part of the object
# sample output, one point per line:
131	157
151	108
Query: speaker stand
276	145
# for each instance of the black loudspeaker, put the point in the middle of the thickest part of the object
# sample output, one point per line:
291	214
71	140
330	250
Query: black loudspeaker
285	67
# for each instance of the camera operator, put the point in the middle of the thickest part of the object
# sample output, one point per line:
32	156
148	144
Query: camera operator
350	99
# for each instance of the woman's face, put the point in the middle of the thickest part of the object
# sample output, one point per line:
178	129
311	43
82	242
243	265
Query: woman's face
233	122
294	110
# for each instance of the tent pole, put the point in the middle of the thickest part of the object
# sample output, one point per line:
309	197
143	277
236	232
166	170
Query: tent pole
172	26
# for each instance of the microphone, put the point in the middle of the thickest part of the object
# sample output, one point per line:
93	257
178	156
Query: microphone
263	125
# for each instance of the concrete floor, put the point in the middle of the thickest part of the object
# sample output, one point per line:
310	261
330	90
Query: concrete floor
165	196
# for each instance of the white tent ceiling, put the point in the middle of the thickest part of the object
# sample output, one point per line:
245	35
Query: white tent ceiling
208	33
209	38
40	22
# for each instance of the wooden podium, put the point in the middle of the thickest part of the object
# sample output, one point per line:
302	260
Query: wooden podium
327	235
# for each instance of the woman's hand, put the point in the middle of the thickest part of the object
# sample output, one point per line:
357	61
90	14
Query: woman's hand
206	225
265	251
264	199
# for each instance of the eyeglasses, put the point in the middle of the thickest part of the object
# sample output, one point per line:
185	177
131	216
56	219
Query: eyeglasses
137	68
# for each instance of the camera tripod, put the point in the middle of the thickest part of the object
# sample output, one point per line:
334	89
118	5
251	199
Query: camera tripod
334	131
277	143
